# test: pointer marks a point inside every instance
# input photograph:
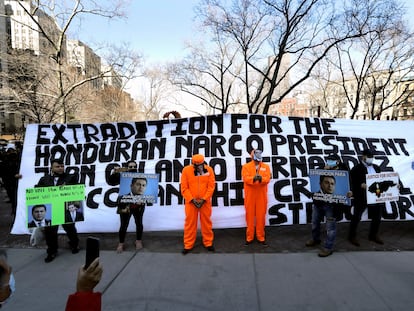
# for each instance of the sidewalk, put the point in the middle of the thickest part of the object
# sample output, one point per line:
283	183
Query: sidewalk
285	276
169	281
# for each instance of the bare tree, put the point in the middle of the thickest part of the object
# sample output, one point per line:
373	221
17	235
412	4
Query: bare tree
157	93
210	73
28	79
108	105
61	15
275	38
367	74
377	62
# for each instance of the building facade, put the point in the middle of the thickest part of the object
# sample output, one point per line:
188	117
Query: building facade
382	95
85	60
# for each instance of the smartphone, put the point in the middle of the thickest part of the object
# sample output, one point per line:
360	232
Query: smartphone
92	250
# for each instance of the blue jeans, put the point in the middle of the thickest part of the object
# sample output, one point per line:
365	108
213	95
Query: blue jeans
318	213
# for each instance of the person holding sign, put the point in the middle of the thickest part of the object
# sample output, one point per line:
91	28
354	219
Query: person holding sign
58	177
321	209
132	204
324	205
115	177
126	209
256	177
359	188
197	187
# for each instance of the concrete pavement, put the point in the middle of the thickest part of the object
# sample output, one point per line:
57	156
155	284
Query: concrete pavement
284	276
148	280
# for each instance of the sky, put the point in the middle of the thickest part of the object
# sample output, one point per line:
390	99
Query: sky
156	28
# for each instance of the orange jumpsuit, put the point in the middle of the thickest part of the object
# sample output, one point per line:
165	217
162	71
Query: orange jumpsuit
255	199
197	187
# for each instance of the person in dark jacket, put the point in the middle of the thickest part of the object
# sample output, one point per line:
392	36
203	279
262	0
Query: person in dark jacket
9	172
58	177
329	210
359	186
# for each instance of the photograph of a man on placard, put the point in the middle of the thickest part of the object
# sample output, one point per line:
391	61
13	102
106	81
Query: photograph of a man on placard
39	215
138	188
73	211
330	186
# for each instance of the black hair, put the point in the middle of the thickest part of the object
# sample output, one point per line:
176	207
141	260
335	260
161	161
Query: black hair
58	161
75	203
138	178
321	178
37	206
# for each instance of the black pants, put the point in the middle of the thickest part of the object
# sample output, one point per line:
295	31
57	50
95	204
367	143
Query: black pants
137	212
51	236
12	194
374	212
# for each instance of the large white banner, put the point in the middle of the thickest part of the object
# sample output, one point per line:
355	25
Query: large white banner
291	146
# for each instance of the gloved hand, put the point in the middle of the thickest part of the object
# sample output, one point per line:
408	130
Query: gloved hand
257	178
198	202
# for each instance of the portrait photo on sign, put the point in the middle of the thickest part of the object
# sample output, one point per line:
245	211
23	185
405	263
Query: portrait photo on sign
39	215
73	211
330	186
137	188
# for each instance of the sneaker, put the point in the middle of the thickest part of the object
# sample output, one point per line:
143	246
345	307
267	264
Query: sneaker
247	243
185	251
376	240
325	252
354	241
312	243
211	248
50	257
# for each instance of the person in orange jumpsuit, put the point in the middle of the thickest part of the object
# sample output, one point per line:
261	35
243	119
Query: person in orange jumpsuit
256	176
197	187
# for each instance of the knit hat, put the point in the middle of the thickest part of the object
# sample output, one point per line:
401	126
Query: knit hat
197	159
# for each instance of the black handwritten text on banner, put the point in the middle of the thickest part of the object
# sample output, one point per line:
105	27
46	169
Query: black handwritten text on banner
292	146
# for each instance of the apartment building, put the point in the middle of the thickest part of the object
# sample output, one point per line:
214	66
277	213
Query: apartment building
111	77
380	95
85	60
24	29
291	107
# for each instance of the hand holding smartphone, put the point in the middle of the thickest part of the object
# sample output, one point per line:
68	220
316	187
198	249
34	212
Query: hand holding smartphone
92	250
